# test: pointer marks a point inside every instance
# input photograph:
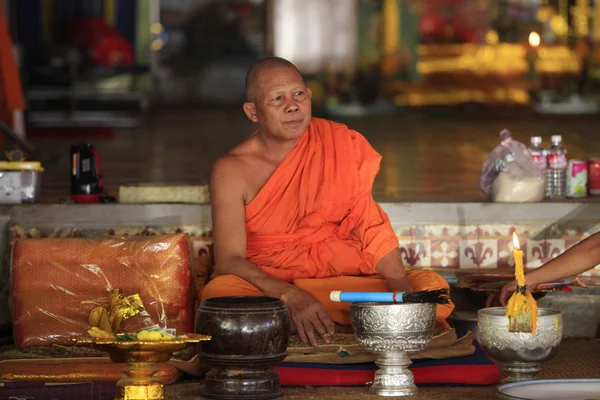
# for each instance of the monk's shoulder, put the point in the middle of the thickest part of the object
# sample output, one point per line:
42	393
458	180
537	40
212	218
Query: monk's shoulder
229	171
342	133
234	167
235	159
352	144
334	126
339	129
245	148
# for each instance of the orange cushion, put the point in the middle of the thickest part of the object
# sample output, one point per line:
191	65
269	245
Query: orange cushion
56	282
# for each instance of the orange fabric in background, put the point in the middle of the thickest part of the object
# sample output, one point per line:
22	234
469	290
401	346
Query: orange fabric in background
230	285
316	217
57	281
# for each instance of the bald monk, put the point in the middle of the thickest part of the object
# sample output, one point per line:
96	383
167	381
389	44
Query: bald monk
293	214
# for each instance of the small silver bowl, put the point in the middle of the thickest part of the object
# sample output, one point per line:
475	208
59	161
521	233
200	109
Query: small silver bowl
393	332
520	353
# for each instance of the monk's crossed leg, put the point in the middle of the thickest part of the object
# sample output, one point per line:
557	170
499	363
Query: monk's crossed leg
230	285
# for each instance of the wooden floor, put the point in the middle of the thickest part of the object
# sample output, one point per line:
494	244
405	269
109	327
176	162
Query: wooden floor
426	157
576	359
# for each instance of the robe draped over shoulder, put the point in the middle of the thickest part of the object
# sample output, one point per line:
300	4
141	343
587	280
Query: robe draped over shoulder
315	217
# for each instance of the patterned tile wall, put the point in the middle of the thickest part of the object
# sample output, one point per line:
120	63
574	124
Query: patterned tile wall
443	246
488	246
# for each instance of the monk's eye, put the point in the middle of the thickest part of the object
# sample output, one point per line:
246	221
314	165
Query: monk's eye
300	93
277	98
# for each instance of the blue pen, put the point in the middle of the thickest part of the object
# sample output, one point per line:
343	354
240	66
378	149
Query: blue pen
362	297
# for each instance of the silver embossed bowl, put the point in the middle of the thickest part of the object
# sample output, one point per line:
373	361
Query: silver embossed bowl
393	332
520	353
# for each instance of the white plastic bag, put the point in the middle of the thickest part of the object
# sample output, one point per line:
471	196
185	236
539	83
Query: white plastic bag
510	174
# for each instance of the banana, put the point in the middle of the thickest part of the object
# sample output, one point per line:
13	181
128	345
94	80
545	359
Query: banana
95	316
152	335
104	322
114	297
99	333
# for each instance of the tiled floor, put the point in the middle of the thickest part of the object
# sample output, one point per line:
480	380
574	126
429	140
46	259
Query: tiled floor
426	157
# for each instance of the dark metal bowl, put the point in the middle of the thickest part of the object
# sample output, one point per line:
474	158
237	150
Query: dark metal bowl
249	335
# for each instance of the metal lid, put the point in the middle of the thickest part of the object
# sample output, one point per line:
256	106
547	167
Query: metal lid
21	166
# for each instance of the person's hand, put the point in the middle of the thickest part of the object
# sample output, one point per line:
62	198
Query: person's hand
391	268
499	298
308	316
399	284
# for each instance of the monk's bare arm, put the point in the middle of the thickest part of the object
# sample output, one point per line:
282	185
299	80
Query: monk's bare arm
229	233
391	265
391	268
379	241
381	244
229	229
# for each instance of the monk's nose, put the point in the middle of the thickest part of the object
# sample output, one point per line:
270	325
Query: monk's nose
292	107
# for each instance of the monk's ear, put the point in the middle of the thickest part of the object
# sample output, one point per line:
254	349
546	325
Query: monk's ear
250	110
309	92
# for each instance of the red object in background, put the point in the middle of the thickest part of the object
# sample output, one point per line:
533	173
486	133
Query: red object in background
462	32
432	26
104	45
449	21
594	177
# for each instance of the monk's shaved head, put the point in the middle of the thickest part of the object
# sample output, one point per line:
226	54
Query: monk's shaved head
255	72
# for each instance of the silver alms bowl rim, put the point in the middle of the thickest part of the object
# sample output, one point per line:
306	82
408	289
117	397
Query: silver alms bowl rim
384	327
499	312
494	334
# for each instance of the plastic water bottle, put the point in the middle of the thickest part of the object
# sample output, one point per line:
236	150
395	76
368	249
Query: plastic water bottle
538	153
556	173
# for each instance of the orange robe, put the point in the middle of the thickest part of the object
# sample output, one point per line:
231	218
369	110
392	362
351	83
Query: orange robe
315	223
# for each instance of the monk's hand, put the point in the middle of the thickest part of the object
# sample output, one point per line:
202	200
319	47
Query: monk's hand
398	284
391	268
308	316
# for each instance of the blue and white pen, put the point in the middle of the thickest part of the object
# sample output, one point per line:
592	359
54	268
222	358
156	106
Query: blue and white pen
438	296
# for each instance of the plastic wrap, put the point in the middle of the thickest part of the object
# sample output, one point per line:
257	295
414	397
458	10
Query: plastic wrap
510	174
60	287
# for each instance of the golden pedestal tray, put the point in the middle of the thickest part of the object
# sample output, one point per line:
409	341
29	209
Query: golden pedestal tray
140	356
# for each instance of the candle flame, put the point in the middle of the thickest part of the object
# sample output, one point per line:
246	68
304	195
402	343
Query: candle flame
516	241
534	39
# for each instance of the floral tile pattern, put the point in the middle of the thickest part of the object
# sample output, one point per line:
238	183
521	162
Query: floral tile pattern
505	253
444	246
416	253
479	253
445	253
541	252
490	246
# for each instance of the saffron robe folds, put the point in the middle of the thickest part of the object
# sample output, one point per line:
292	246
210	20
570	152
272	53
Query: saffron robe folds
315	218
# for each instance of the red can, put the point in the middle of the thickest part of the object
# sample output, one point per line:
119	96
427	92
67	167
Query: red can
594	177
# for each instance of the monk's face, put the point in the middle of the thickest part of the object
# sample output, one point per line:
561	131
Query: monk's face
281	103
